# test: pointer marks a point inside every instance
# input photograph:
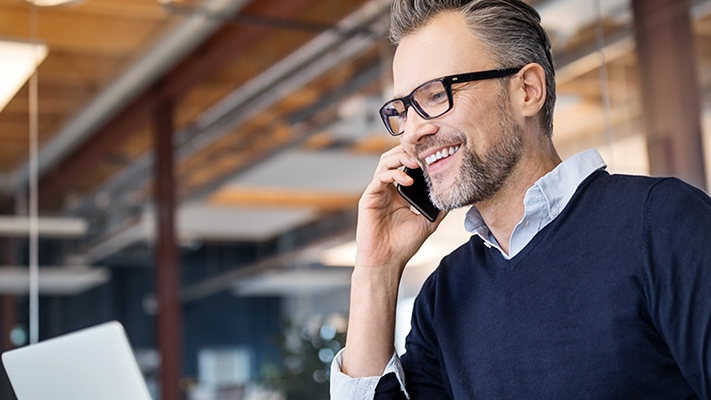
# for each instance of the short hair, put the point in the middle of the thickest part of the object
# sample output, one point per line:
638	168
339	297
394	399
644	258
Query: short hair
510	29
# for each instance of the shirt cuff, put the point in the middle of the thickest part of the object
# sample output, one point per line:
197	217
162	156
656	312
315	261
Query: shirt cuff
343	387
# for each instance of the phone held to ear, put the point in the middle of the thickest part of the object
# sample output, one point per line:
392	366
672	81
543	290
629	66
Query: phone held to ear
418	194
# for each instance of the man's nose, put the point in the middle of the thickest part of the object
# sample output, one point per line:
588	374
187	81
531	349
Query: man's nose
416	128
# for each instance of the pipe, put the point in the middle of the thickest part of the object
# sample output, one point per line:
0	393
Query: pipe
156	61
304	63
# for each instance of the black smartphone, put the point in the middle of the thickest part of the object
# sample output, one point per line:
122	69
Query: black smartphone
418	194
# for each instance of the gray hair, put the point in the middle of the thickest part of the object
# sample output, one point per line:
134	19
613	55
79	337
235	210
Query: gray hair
510	29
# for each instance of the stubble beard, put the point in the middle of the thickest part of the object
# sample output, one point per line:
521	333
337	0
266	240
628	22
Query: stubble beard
480	178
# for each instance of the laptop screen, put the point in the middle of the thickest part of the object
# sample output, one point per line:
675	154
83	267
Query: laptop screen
95	363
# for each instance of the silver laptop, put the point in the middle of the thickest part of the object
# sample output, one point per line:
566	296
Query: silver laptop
95	363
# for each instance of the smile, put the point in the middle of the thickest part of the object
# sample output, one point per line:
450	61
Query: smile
444	153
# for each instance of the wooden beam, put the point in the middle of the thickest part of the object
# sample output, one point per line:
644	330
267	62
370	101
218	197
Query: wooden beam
91	153
89	33
167	259
225	45
264	197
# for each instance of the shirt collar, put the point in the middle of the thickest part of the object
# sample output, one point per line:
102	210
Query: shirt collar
556	187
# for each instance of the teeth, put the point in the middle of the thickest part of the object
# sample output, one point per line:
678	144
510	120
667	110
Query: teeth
441	154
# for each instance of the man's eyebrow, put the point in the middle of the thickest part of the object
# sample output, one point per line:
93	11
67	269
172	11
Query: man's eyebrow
399	96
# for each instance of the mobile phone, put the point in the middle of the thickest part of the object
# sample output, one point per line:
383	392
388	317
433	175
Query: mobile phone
418	194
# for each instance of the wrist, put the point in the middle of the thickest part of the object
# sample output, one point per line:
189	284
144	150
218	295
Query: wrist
371	325
377	278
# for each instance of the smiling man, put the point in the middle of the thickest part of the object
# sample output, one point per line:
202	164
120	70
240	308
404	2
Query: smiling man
575	284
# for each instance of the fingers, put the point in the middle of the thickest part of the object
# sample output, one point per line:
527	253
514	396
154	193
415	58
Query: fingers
380	194
396	158
389	168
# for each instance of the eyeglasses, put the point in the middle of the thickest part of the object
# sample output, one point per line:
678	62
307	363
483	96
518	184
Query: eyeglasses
432	99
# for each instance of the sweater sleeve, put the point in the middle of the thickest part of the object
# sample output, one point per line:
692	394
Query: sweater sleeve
421	361
678	276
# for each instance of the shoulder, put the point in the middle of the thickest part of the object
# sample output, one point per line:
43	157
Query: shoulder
674	189
611	197
622	184
677	211
646	193
646	185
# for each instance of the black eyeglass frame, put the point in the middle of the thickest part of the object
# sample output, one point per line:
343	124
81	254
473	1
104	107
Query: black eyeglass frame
447	82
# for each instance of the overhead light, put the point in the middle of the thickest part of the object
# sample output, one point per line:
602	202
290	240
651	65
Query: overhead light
293	282
51	3
19	226
53	280
20	59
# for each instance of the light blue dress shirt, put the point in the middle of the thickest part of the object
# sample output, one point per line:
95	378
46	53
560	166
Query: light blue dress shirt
543	202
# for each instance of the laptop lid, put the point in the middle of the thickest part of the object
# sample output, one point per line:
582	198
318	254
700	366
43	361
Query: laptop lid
95	363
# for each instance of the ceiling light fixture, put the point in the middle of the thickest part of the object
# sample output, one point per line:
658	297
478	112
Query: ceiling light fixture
58	227
53	280
20	59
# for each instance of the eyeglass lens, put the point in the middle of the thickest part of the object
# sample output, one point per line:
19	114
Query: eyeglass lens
429	100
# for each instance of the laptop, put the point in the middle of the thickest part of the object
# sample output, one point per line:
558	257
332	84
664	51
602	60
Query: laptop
95	363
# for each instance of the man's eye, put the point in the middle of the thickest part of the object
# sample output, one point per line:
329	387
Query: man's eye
438	96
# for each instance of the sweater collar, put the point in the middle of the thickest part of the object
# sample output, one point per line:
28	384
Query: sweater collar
543	201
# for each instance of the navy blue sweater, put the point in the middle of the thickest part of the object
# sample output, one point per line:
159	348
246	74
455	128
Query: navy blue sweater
612	300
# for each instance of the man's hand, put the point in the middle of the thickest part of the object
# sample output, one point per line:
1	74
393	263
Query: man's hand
389	233
387	236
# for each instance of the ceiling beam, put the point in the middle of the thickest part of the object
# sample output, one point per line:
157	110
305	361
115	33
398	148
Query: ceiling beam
125	89
224	45
93	151
314	59
262	197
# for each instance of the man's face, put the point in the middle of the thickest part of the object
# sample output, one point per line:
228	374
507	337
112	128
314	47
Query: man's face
470	151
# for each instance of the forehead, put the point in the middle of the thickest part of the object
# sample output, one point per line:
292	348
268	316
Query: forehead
445	46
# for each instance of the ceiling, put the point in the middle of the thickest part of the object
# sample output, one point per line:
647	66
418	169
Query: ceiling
275	113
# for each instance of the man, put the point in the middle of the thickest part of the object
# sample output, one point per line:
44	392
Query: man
576	283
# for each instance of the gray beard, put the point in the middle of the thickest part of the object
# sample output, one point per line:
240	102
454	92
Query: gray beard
480	178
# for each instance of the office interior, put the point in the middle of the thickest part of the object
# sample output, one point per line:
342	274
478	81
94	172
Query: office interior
192	168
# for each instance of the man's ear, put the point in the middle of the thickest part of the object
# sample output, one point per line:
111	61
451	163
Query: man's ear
531	89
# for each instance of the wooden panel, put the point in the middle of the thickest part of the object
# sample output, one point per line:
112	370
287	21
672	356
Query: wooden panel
138	9
67	29
90	44
127	9
261	197
73	69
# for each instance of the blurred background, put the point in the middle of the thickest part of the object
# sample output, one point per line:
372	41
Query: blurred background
191	168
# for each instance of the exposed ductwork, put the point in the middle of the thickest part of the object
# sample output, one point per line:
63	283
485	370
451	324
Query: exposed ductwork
353	36
154	64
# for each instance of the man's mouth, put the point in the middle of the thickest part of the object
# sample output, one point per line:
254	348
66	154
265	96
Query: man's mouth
444	153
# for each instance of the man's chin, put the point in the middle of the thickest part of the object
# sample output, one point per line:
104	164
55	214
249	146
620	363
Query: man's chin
449	201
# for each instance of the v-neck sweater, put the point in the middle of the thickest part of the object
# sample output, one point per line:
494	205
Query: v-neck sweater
611	300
